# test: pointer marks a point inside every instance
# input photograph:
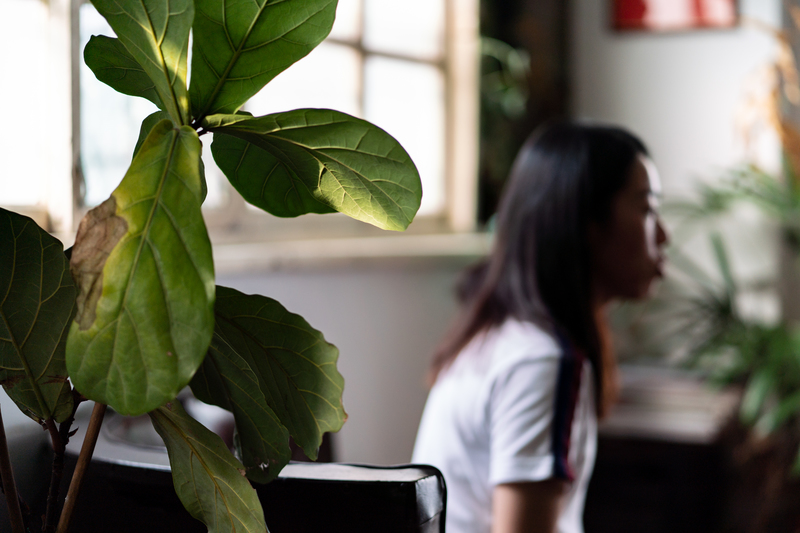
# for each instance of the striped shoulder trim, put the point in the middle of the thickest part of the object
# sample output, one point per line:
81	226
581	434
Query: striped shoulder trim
568	387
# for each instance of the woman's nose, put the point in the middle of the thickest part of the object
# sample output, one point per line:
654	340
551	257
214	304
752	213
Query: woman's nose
662	237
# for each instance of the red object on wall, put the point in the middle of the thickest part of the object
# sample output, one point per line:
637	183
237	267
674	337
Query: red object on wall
673	15
629	14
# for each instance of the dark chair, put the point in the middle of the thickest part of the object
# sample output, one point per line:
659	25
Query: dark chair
309	497
128	488
306	497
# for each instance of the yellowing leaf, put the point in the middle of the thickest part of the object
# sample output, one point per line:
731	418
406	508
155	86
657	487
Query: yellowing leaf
142	261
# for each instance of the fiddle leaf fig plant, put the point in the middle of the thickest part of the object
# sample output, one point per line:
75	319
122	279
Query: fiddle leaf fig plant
131	315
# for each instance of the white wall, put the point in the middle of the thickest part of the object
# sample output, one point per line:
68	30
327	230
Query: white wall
678	91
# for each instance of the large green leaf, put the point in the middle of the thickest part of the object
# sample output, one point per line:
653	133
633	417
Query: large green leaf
156	33
37	300
227	380
112	64
263	179
344	162
240	46
209	481
294	366
148	124
142	262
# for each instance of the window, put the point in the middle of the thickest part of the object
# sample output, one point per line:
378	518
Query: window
409	67
35	141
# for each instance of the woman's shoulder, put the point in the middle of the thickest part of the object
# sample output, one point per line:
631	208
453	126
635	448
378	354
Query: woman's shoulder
516	342
501	348
532	339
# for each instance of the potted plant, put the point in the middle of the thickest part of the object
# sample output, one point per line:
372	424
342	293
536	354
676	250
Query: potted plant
130	315
703	316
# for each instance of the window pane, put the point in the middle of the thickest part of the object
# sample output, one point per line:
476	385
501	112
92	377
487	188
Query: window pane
24	64
218	190
407	100
348	20
327	78
411	27
109	121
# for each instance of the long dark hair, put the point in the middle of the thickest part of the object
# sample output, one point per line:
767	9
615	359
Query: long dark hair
540	270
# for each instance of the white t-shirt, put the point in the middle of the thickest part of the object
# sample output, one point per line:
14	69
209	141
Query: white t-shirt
515	405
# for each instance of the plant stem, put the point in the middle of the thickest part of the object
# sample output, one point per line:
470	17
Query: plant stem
9	486
55	477
85	457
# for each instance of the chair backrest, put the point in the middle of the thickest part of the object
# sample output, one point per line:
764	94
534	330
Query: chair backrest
129	487
308	497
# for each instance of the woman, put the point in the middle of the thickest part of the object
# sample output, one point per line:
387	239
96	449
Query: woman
520	381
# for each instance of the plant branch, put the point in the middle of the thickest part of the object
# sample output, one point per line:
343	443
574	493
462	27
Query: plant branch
65	426
85	457
60	438
55	477
9	486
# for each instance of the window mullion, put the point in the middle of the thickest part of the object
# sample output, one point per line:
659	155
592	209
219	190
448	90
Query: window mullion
461	89
362	57
58	197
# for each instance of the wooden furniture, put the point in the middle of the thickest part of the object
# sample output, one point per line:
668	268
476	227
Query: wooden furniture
663	459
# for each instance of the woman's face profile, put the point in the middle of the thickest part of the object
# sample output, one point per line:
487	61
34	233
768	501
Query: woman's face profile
626	249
